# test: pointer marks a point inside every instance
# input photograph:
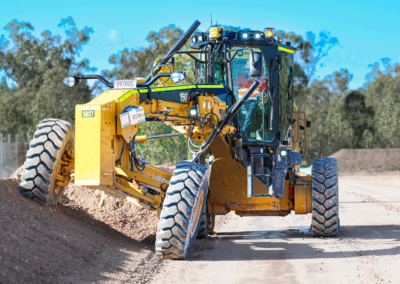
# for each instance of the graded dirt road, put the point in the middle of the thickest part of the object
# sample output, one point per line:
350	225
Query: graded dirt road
92	238
282	250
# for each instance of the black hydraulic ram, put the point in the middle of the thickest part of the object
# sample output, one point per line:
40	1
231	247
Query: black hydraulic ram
230	114
177	46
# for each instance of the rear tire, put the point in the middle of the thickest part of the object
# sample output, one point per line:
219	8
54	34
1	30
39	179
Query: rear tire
50	140
183	207
325	198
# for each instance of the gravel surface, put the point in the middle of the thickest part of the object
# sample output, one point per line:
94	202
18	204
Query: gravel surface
282	249
367	160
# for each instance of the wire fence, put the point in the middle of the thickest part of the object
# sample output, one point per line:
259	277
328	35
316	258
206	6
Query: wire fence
13	149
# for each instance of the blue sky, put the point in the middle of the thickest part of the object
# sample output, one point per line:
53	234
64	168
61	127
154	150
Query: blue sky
367	30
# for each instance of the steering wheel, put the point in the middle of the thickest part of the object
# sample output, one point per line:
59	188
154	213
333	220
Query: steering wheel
159	67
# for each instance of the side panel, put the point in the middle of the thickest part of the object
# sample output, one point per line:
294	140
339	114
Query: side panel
228	187
87	144
107	136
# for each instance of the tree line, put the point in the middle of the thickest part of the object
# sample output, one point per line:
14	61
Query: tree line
32	89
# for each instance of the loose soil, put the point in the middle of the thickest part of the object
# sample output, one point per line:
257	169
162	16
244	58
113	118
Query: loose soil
89	237
93	238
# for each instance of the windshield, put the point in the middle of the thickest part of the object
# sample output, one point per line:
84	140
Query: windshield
219	68
256	115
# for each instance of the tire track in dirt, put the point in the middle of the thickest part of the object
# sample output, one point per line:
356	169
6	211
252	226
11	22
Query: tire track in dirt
281	249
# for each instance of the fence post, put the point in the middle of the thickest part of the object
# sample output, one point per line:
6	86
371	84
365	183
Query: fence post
8	155
16	164
1	156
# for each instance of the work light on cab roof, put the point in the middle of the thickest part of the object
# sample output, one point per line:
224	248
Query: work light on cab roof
269	33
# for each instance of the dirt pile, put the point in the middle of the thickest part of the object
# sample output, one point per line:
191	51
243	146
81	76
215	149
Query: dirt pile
131	220
89	237
369	160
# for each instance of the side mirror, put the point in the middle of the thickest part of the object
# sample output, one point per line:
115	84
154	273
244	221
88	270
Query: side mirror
177	77
70	81
256	64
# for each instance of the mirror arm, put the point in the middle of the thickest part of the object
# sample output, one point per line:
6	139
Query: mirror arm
111	85
155	78
299	46
236	51
94	76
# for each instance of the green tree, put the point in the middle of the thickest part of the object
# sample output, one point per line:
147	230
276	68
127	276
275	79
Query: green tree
382	94
358	116
36	68
328	132
138	63
307	60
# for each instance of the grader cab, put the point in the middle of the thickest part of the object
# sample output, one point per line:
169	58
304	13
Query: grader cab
240	114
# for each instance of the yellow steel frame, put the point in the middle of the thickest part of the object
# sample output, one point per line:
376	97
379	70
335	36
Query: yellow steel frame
102	157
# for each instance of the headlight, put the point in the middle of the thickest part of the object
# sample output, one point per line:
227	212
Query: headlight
245	35
194	40
193	112
283	153
257	36
70	81
177	77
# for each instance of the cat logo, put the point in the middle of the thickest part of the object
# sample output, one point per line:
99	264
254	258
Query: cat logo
184	97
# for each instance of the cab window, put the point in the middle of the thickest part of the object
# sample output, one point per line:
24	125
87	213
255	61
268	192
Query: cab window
219	68
256	115
285	95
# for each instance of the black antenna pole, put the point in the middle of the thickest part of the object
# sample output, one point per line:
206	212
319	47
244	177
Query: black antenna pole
211	19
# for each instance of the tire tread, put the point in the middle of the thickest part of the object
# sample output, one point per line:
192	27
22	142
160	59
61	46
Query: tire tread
325	203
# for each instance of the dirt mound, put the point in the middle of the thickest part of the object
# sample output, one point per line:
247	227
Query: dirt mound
370	160
89	237
170	167
131	220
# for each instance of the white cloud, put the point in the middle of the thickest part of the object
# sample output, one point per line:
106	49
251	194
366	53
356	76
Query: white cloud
114	36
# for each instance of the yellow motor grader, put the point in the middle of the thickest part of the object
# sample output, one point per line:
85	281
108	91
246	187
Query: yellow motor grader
240	114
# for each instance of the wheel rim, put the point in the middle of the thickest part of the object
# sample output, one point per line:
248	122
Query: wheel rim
64	170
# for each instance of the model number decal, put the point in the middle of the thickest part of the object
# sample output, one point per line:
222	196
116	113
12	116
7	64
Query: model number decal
88	113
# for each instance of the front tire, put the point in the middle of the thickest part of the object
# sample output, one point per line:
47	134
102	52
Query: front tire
38	180
325	198
204	226
183	207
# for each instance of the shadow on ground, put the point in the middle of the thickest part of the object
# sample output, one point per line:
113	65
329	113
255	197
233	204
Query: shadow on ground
300	244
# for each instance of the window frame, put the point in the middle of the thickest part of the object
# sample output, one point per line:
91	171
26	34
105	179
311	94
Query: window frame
271	51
